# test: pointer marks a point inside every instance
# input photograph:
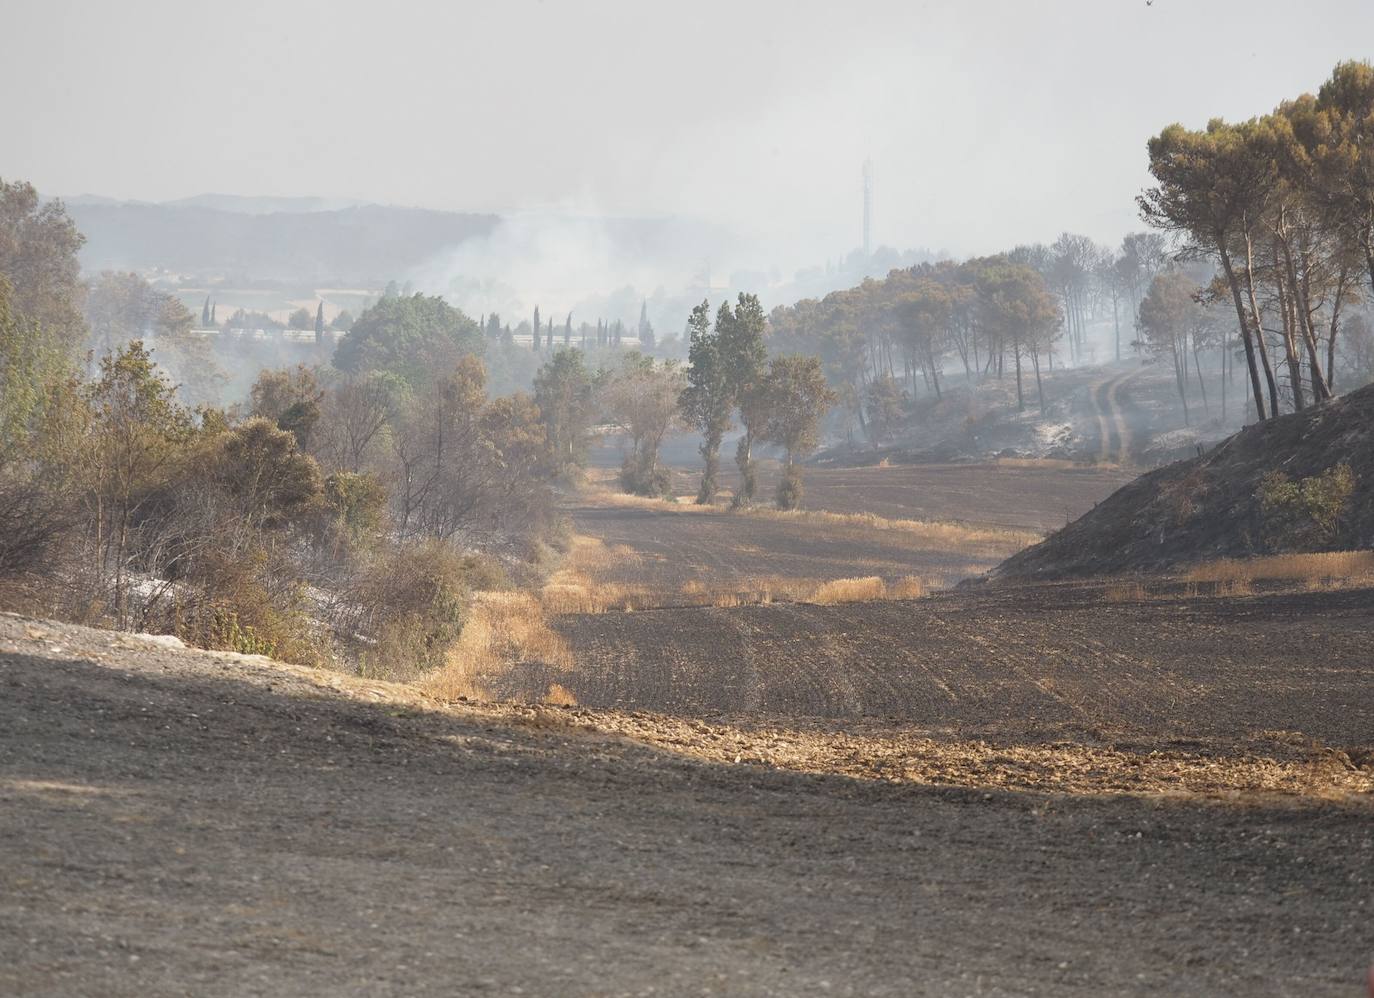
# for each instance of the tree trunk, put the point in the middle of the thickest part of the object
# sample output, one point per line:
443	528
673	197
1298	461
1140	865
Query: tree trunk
1020	398
1290	345
1180	380
1259	327
1201	386
1224	359
1236	297
1336	303
1116	323
1320	391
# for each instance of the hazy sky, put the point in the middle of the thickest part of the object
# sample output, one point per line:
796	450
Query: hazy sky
989	122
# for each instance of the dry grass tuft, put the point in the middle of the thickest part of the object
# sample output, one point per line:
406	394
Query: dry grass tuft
1317	570
946	535
868	588
559	696
907	587
1055	463
1125	592
849	591
502	629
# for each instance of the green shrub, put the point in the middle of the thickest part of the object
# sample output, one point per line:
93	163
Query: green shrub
1308	512
789	494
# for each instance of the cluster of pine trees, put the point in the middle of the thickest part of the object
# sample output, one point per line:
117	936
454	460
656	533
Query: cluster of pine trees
1283	204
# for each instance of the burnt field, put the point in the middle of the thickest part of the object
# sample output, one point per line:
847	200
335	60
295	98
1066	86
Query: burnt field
936	523
1029	495
1024	665
669	551
1038	496
177	822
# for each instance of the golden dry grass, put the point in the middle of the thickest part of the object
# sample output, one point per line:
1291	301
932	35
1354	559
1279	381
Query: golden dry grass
869	588
577	587
849	591
502	628
1332	567
907	587
559	696
1125	592
1054	463
947	535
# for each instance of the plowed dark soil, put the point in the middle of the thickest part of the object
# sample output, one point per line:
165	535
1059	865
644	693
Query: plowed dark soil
177	823
1004	665
663	549
1035	496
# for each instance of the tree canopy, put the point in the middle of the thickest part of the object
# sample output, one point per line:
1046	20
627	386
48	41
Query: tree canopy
411	337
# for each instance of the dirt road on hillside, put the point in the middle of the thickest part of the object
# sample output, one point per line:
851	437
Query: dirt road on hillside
1114	433
178	823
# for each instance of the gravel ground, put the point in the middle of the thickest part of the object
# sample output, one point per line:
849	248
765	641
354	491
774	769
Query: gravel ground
182	823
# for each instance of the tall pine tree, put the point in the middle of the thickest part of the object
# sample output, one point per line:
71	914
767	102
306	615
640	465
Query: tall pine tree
743	355
706	401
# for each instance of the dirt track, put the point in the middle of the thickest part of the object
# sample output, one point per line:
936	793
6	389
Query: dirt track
178	823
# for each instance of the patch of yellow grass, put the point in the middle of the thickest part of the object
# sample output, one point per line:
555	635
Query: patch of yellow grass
907	587
587	597
559	696
1055	463
502	628
849	591
1315	569
871	587
605	597
947	535
1125	592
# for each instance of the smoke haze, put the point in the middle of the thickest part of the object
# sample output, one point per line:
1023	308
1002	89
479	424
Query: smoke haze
754	117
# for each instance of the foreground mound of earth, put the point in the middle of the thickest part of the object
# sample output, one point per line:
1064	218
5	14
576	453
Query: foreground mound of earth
177	822
1208	507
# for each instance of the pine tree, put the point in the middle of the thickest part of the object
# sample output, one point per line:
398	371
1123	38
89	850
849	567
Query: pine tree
646	330
567	331
319	323
205	313
214	318
706	400
538	328
740	340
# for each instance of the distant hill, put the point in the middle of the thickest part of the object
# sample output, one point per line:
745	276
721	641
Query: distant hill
264	205
362	245
1208	507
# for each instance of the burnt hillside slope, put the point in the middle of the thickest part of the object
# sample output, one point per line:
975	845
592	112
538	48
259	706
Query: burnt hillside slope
1208	506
